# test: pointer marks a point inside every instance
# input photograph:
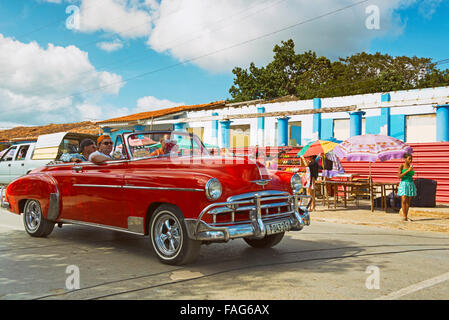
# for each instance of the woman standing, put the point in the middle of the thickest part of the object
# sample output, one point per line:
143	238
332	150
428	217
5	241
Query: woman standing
311	176
407	187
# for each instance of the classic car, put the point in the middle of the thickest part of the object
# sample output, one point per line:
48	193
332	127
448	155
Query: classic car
20	159
181	199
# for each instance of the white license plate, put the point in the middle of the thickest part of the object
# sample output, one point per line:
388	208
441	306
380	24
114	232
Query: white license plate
278	227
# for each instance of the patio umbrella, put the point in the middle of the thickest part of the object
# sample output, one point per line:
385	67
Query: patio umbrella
371	147
316	147
337	168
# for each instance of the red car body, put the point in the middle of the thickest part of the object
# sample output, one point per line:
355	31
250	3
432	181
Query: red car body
125	194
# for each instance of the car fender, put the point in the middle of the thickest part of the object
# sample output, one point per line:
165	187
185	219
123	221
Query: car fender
40	187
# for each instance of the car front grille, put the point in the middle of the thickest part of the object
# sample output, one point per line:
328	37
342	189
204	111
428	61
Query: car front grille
272	205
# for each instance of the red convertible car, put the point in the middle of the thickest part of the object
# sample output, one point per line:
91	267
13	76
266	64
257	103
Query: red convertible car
182	197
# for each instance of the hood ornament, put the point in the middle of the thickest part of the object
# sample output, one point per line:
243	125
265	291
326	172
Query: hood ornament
261	182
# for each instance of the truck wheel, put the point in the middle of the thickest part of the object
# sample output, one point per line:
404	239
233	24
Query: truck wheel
169	237
267	242
35	223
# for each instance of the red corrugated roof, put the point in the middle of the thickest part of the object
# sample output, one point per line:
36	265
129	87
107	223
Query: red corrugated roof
163	112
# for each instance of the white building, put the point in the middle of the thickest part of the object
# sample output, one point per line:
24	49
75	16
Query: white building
411	115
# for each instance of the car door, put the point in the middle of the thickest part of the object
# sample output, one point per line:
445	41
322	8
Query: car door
5	165
18	168
99	188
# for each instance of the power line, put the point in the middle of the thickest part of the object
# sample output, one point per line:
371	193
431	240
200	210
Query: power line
100	40
145	55
218	51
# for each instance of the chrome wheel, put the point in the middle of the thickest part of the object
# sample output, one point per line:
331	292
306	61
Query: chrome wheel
167	234
33	215
34	221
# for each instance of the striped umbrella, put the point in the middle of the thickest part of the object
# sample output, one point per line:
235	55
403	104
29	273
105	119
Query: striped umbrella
316	147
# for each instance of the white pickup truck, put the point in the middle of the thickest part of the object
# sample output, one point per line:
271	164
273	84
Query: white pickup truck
20	159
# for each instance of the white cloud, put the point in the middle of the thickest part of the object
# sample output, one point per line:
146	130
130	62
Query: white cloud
42	85
191	28
150	103
126	18
217	35
428	7
110	46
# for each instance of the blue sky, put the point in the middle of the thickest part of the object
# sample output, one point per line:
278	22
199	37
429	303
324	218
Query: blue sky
128	56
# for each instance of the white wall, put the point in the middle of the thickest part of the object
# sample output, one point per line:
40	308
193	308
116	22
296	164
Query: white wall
341	128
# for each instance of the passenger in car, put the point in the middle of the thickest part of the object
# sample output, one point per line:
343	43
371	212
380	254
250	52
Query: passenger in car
166	146
87	146
160	151
104	149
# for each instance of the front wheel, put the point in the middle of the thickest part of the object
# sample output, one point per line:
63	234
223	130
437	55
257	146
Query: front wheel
169	237
266	242
34	221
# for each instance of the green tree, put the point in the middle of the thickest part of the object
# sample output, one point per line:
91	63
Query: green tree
305	75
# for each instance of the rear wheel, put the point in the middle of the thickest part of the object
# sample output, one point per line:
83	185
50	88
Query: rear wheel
266	242
34	221
169	237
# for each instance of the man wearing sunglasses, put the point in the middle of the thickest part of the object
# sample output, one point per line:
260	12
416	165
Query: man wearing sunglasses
104	149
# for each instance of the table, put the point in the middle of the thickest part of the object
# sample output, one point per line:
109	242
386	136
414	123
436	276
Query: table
384	187
359	188
356	188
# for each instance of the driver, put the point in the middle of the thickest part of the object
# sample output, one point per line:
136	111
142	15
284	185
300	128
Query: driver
104	149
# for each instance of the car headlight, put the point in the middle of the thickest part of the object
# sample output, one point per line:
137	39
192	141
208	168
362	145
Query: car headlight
296	183
213	189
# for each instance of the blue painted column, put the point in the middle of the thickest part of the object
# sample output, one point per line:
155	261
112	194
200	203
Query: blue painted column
443	123
139	128
355	122
283	131
261	128
225	133
385	116
215	129
180	126
316	131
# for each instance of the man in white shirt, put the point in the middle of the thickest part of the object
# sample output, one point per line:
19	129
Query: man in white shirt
104	149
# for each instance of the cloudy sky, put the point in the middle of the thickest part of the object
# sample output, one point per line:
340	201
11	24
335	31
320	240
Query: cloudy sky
74	60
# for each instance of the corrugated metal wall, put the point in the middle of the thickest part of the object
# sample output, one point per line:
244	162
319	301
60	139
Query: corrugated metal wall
430	160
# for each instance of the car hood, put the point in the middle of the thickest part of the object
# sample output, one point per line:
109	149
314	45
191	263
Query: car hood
236	175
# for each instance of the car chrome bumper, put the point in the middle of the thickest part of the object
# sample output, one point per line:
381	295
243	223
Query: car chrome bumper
258	225
3	203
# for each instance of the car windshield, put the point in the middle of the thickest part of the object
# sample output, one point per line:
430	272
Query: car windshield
157	144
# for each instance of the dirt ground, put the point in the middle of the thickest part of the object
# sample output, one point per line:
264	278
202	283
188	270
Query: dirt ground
423	219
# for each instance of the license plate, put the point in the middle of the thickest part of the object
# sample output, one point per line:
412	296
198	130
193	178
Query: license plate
278	227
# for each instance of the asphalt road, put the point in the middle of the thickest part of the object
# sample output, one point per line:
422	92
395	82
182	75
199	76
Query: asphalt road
324	261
